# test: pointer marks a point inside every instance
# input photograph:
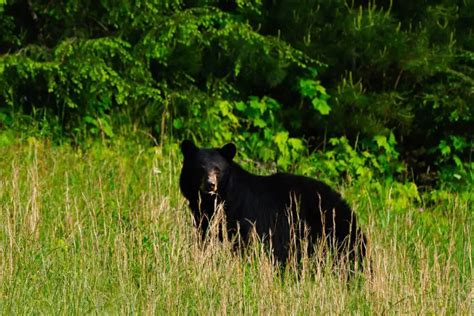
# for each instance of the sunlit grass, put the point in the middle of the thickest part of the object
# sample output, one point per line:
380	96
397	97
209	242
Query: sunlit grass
106	230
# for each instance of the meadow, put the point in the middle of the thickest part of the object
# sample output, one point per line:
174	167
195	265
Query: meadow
105	230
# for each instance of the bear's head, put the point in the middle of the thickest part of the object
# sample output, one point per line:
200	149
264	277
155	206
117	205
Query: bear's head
204	169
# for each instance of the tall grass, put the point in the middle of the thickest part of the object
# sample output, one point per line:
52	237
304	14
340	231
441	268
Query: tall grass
107	231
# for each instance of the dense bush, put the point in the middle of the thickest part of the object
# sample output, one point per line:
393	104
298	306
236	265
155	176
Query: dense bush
392	81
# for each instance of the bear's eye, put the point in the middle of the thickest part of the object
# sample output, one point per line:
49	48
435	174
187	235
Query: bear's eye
216	170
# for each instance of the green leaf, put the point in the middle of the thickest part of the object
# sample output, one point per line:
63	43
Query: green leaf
321	106
458	142
391	139
444	148
457	161
280	138
296	143
241	106
106	128
178	123
254	103
381	141
237	68
308	88
224	106
258	122
90	120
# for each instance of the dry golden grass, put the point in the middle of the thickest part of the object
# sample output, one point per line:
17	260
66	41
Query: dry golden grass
107	231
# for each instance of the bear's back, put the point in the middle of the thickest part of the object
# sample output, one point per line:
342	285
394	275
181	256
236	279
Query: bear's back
282	190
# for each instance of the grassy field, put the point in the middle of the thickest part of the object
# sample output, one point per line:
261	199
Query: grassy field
107	231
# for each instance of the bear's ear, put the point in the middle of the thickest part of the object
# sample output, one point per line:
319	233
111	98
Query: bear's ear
228	151
188	147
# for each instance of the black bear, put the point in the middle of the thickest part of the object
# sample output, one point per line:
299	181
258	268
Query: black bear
275	206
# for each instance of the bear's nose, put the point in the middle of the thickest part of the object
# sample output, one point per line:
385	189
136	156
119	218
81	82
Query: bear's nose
210	186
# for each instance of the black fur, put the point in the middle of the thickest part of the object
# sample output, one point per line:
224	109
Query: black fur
267	204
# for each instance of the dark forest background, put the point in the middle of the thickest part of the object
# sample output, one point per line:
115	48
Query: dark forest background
343	89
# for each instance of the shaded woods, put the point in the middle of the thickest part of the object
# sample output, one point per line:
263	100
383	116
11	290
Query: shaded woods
283	79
